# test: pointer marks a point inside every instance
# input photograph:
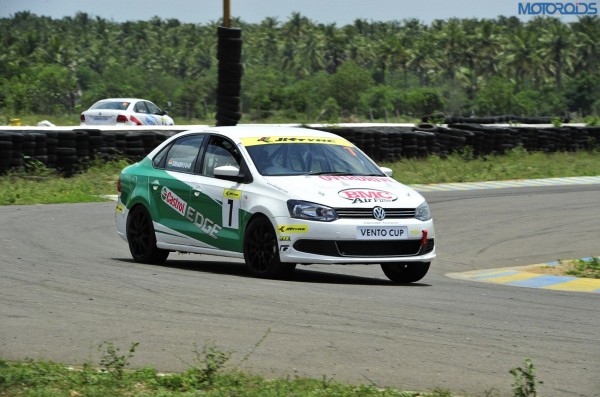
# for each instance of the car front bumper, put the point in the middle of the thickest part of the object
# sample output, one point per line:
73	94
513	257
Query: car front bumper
344	241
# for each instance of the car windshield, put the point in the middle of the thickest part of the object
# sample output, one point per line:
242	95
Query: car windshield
279	159
116	105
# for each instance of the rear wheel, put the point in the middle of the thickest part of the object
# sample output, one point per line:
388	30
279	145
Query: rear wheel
261	251
141	238
404	273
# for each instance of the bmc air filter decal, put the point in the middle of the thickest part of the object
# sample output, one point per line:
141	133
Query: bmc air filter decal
367	195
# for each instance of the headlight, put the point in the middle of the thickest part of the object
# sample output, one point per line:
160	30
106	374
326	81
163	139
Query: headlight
307	210
422	212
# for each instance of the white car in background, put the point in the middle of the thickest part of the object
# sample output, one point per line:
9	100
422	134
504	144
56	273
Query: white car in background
125	111
276	197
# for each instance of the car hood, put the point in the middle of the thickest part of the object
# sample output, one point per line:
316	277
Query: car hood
347	191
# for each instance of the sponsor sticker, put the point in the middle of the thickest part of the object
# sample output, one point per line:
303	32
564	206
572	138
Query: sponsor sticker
355	178
119	209
204	223
173	200
285	238
367	196
293	229
232	194
180	164
381	232
267	140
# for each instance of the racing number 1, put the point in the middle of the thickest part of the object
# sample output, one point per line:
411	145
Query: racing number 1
231	207
230	204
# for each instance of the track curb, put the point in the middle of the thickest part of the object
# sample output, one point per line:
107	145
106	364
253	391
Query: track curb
518	276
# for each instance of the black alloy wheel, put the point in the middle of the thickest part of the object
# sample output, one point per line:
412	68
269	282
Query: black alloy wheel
261	251
141	238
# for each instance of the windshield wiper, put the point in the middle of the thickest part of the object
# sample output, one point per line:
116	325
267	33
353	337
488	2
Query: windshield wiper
331	173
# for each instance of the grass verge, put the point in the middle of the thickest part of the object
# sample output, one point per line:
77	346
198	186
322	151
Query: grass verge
206	377
48	379
37	184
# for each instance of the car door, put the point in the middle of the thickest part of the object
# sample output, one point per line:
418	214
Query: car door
140	112
170	190
154	115
218	203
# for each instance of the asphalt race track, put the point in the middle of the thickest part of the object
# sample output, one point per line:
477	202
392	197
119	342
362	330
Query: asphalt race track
67	284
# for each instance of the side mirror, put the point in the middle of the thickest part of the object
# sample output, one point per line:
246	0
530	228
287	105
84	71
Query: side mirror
229	173
387	171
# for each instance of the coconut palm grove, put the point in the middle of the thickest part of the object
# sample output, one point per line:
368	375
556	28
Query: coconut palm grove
305	71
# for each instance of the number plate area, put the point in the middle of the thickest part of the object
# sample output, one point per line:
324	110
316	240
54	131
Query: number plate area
381	232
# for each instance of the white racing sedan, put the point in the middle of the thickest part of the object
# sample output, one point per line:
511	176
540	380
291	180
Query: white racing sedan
276	197
125	112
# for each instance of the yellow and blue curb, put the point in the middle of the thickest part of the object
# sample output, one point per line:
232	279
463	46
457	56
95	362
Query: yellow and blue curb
519	277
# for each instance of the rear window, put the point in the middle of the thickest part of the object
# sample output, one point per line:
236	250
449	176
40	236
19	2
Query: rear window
111	105
181	156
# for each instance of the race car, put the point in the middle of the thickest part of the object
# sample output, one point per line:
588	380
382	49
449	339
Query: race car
124	112
276	197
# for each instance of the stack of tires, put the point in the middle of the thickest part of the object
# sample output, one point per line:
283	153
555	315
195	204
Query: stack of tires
66	153
5	152
229	55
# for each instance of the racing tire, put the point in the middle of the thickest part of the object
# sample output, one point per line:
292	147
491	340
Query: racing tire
261	251
405	273
142	239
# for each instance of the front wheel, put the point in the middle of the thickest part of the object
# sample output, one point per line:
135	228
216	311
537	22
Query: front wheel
261	251
141	238
404	273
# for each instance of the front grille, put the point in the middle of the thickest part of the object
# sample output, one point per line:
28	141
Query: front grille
390	213
364	248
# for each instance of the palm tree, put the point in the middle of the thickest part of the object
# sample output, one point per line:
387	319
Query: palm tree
521	55
450	38
558	49
587	37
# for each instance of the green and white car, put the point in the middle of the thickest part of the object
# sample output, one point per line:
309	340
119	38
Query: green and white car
276	197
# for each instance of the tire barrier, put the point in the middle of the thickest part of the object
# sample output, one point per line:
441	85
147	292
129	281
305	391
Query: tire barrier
70	151
505	119
229	85
388	144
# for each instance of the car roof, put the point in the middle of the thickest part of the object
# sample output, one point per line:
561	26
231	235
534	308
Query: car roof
257	130
121	100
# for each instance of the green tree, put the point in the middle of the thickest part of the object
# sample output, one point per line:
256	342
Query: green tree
348	83
496	97
378	102
422	101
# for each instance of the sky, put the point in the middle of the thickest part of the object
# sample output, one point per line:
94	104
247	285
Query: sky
340	12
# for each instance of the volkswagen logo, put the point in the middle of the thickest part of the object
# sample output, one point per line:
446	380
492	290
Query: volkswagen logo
379	213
